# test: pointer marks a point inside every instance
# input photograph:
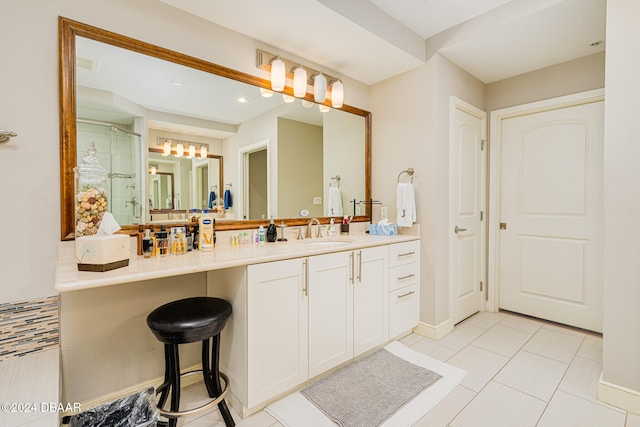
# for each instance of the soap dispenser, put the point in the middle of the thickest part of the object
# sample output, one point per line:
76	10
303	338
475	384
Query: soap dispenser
272	232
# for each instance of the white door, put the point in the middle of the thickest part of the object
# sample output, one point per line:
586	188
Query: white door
467	200
551	214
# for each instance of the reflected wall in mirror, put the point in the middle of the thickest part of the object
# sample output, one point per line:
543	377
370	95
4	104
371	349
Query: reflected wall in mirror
152	92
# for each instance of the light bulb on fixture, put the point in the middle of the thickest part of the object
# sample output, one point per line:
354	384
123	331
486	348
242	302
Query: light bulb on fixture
320	88
299	82
266	93
337	94
153	170
324	108
203	152
192	151
179	150
307	104
278	74
288	98
166	148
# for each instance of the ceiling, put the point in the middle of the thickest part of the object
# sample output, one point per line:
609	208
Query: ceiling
491	39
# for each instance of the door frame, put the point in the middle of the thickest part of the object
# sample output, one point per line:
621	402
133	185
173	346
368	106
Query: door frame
456	103
495	151
243	160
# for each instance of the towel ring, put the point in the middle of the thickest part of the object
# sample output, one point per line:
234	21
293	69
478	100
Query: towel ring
408	172
335	178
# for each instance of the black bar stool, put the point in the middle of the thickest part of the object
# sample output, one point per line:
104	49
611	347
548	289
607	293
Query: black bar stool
186	321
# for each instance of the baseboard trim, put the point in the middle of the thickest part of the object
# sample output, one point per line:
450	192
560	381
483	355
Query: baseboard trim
618	396
434	332
137	388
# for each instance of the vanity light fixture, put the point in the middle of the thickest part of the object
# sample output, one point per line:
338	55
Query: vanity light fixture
266	93
153	170
307	104
299	82
179	148
324	108
192	151
277	66
203	152
319	87
288	98
337	94
278	74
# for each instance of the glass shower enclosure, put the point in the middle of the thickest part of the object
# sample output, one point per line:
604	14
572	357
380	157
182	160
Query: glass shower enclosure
119	151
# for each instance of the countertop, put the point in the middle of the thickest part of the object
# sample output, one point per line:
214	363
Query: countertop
68	278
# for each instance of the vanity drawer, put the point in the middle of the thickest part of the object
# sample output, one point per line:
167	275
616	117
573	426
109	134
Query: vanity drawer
404	310
404	253
404	275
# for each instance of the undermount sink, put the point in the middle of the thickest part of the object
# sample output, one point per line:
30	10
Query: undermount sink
328	242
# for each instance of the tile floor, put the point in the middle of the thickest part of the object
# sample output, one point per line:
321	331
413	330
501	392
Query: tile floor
521	372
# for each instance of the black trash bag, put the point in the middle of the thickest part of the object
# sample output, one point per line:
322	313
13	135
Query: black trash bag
137	410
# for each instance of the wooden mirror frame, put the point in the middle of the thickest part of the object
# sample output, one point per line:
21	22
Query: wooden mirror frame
68	30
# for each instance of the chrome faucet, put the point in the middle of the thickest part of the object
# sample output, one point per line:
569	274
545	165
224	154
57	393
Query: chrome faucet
309	226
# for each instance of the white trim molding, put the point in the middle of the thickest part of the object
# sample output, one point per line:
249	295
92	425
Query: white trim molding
434	332
618	396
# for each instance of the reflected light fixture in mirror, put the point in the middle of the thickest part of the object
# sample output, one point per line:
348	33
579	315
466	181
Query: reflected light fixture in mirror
337	94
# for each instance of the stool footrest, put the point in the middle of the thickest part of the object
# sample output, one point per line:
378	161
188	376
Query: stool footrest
181	414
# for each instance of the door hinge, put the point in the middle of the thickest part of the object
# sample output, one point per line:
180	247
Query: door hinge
482	143
480	286
503	226
481	215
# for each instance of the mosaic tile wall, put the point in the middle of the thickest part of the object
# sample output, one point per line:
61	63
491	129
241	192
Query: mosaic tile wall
28	326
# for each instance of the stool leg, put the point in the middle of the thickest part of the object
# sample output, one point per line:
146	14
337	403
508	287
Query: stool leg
175	383
211	371
163	389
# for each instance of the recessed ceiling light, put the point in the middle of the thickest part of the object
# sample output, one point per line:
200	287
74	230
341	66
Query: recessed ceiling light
242	100
175	83
596	43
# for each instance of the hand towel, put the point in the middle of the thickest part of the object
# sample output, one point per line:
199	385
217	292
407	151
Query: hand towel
228	202
212	198
406	205
335	202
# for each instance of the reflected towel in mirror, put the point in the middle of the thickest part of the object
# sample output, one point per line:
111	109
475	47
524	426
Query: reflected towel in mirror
335	202
228	202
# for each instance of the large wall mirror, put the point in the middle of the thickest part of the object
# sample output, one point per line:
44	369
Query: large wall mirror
280	158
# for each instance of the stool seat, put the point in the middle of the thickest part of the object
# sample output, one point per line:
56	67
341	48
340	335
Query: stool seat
189	320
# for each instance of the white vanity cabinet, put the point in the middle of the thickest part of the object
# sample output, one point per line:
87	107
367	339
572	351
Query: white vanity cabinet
404	287
277	337
348	309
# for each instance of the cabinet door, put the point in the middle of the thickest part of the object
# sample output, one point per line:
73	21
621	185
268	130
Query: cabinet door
277	339
330	311
370	299
404	305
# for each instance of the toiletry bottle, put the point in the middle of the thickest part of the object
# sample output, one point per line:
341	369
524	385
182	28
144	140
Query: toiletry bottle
331	229
154	244
206	232
147	244
140	236
272	232
162	242
261	235
189	238
255	236
196	236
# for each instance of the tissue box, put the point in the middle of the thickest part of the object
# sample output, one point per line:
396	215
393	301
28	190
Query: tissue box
103	253
383	230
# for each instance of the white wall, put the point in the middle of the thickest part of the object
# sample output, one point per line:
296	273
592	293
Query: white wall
29	164
411	129
622	199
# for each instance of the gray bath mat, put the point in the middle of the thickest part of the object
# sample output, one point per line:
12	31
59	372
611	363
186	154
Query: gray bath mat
370	390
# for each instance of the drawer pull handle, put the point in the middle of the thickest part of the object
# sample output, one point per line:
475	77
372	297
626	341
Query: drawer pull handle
407	294
406	254
408	276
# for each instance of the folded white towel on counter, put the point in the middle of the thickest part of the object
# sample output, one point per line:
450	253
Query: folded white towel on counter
405	204
335	202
